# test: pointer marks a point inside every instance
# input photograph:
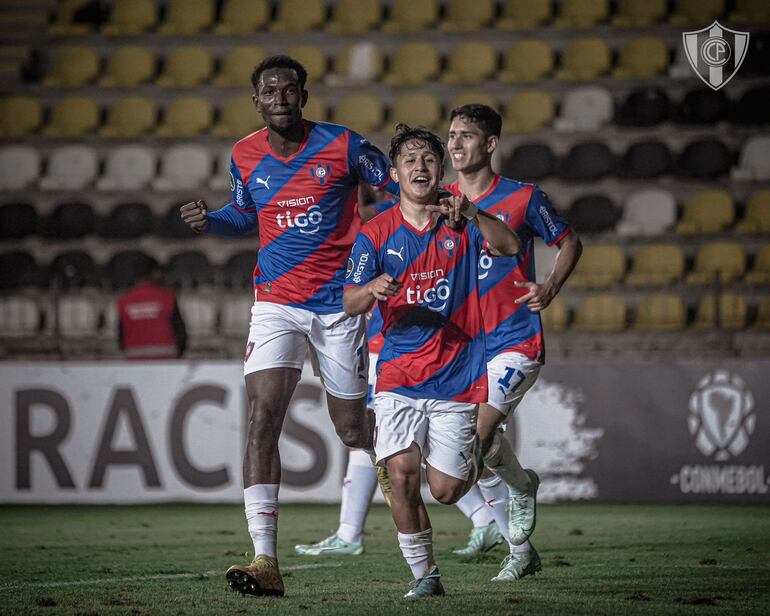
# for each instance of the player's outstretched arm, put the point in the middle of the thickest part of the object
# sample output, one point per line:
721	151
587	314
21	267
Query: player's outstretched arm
359	300
228	221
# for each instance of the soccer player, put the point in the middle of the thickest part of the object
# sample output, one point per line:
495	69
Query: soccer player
431	373
511	302
297	182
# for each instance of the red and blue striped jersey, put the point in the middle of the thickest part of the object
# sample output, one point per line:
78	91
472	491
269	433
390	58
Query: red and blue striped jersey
306	209
528	211
374	330
433	331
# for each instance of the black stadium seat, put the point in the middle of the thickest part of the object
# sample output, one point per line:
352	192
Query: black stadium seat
128	221
594	214
646	159
757	60
170	225
71	221
124	267
530	162
17	220
75	269
587	161
644	107
238	271
189	269
19	269
705	159
753	105
704	106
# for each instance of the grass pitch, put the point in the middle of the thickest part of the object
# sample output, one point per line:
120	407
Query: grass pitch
597	559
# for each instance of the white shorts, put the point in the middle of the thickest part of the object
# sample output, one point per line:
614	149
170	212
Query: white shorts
279	337
445	431
509	376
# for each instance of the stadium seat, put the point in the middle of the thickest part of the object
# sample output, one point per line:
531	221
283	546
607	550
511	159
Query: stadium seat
75	269
69	221
732	312
190	269
603	313
467	15
314	109
757	61
243	17
20	316
581	13
77	317
530	162
313	58
752	106
237	118
754	163
656	265
642	58
360	112
413	64
584	59
354	16
18	269
696	12
184	167
524	14
235	316
17	221
411	16
238	65
468	97
762	322
661	312
299	16
72	67
723	260
127	221
706	159
124	267
358	63
593	214
760	273
639	13
600	266
589	161
130	117
416	109
585	108
170	225
238	269
220	180
707	211
470	63
20	166
757	217
647	106
73	117
555	316
702	106
750	12
70	167
129	67
187	66
131	17
527	61
200	312
20	116
646	160
187	17
528	112
186	116
128	167
66	23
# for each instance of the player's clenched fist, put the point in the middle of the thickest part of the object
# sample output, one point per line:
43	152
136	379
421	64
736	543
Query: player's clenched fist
384	286
196	215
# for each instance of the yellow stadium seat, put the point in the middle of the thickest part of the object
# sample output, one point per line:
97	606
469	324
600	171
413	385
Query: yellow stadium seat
129	67
64	25
760	273
467	15
187	17
187	66
642	58
696	12
757	219
416	109
751	12
725	260
238	117
707	211
639	13
762	321
661	312
187	116
314	109
470	63
603	313
357	63
555	317
732	312
584	59
527	61
528	112
413	64
360	112
656	265
411	16
19	116
73	66
238	65
312	57
524	14
581	13
469	97
130	117
601	265
299	16
130	17
73	116
241	17
354	16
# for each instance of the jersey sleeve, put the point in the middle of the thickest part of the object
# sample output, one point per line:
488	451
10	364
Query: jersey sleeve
543	218
369	164
241	196
363	263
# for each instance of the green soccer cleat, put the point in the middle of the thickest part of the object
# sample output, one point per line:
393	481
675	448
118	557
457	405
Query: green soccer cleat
425	587
260	578
481	540
331	546
517	565
521	511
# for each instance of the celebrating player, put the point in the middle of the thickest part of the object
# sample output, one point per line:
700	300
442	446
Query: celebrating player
297	181
431	372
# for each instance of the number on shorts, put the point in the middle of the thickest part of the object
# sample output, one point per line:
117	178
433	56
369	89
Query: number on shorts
505	384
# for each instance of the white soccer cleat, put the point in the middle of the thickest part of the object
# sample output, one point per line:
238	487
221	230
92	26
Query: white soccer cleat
481	540
331	546
522	511
517	565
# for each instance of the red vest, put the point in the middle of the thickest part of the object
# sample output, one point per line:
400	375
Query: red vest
145	315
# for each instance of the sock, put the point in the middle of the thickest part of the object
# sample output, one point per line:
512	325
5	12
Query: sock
495	493
524	547
474	508
417	549
501	459
357	491
261	502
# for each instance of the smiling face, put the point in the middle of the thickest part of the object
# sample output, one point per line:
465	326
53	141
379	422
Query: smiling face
418	171
280	98
469	148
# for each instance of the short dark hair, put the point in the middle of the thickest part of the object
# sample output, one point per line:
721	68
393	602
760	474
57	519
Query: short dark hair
406	133
279	61
486	118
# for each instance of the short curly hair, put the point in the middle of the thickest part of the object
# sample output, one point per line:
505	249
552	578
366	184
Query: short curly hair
406	133
483	116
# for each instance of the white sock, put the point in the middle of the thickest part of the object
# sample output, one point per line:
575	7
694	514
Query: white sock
261	502
524	547
417	549
357	491
495	493
473	506
501	459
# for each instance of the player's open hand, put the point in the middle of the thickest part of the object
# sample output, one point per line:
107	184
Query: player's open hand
195	214
384	286
451	207
537	297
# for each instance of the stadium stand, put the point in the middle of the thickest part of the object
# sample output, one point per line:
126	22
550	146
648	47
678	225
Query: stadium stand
186	116
642	58
730	312
762	322
237	271
656	265
18	269
361	112
759	275
313	58
128	67
170	225
123	268
581	13
601	266
70	167
701	106
750	12
243	17
295	16
705	159
528	112
601	313
417	109
718	262
585	108
646	160
19	116
661	312
130	117
467	15
648	212
73	117
128	167
237	65
18	220
354	16
594	213
186	67
524	14
190	269
127	221
183	167
187	17
20	166
647	106
588	161
413	64
237	118
131	17
355	64
74	269
754	163
71	220
707	211
73	66
65	22
639	13
411	16
556	316
584	59
752	106
696	12
530	162
527	61
757	218
470	63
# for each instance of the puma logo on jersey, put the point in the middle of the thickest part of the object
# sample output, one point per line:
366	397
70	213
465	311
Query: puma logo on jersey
265	181
396	253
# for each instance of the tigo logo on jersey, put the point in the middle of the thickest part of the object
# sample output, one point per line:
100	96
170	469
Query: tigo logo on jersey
307	222
321	172
433	298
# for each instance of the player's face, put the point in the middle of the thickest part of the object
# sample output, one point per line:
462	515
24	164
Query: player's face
469	148
279	98
418	171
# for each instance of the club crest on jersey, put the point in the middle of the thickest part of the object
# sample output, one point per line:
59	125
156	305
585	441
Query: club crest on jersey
321	173
349	270
448	244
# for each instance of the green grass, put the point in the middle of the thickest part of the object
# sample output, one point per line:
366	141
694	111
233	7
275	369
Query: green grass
597	559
